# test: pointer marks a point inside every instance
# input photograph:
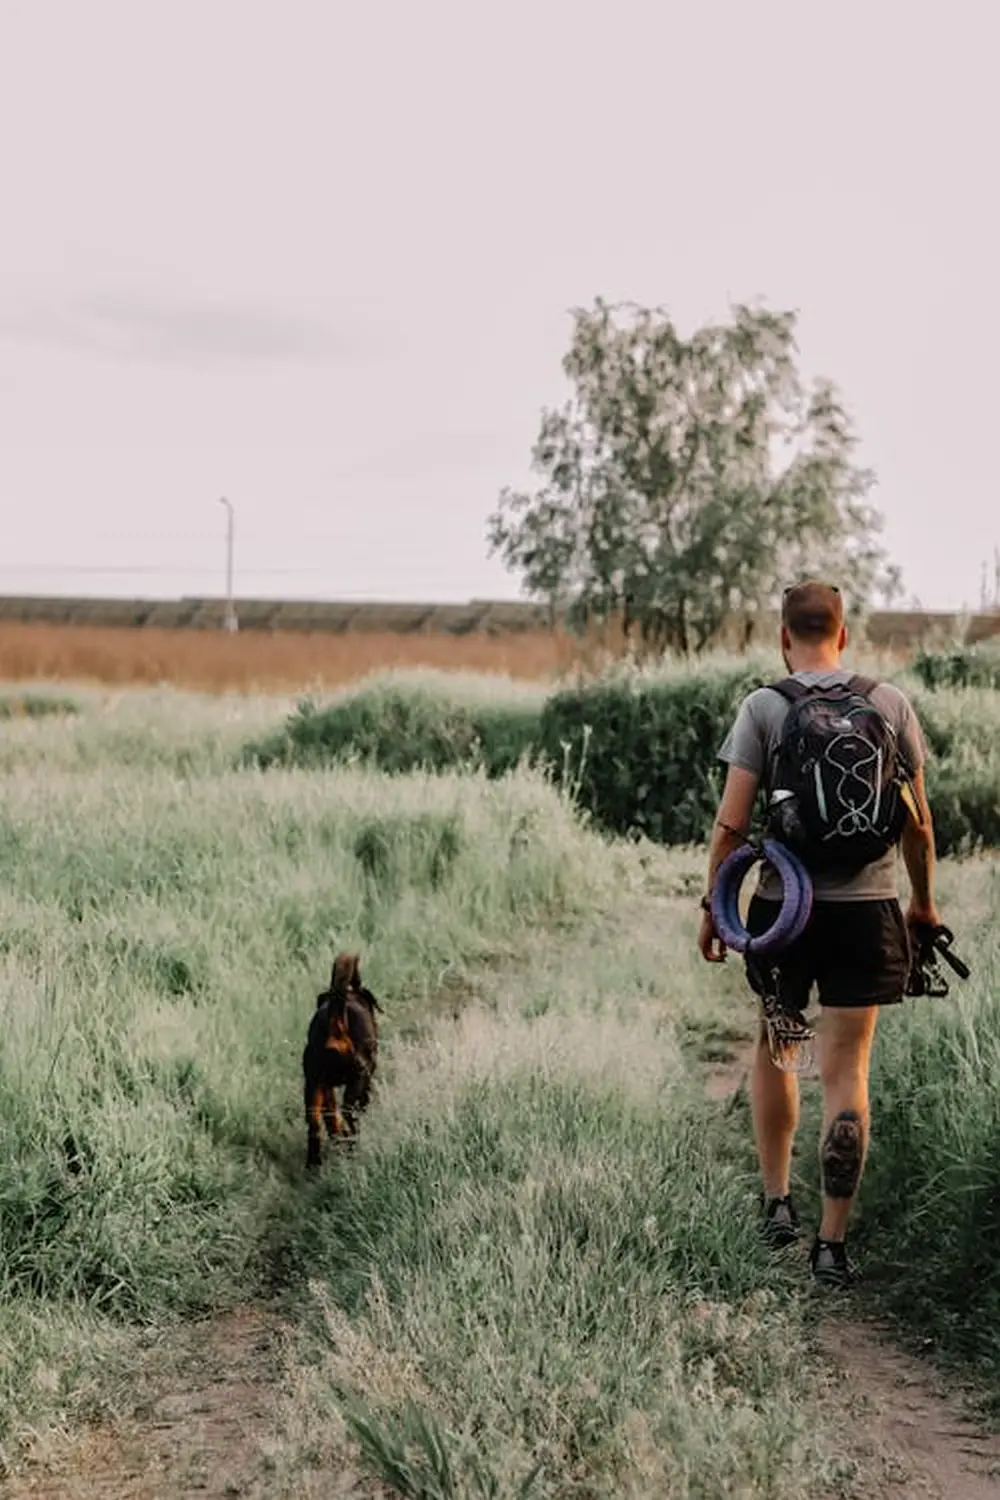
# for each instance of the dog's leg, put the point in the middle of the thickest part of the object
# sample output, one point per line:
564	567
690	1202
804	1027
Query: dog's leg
351	1110
314	1110
331	1114
356	1096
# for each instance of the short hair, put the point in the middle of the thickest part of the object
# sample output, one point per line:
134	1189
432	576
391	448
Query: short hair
812	611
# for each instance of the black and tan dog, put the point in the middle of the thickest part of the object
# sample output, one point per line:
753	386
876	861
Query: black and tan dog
341	1051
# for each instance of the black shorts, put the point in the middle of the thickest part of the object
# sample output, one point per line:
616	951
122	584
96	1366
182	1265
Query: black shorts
856	952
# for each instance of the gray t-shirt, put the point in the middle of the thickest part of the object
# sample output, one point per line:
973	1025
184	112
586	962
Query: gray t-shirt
752	743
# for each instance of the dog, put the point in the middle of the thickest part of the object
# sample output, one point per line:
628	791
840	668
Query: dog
341	1051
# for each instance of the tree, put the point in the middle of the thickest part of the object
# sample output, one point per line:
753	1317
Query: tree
685	482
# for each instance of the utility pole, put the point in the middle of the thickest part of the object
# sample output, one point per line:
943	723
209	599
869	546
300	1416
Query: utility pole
230	623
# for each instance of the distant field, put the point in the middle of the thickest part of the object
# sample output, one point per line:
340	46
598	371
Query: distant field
280	661
264	661
292	647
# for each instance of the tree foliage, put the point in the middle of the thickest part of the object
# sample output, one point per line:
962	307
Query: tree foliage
685	481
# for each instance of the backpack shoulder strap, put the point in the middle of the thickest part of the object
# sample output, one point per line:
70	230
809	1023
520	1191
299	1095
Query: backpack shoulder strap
791	690
794	691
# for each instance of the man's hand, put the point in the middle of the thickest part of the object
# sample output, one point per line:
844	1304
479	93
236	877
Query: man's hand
711	945
922	914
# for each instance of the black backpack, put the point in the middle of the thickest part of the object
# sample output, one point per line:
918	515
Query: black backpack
836	789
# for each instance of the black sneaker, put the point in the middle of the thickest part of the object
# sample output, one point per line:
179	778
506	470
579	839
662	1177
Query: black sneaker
781	1222
830	1263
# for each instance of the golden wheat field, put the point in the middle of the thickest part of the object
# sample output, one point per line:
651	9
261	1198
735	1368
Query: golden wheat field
266	661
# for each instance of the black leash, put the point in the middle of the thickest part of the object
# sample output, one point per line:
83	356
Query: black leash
926	977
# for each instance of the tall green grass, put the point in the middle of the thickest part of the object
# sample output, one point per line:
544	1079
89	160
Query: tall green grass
541	1276
541	1254
538	1274
162	941
930	1209
549	1287
186	733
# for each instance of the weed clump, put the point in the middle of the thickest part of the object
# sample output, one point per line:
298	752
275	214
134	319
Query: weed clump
36	706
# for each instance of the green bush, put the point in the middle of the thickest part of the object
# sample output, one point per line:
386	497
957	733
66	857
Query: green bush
642	754
966	809
969	666
397	729
962	731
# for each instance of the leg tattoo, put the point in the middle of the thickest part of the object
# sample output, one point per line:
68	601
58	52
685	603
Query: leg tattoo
841	1155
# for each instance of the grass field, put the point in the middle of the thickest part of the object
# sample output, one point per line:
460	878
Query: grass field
538	1275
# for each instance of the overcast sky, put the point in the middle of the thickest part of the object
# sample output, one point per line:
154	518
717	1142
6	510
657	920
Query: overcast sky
319	257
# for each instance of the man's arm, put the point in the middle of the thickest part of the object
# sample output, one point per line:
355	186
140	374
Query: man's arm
732	825
917	845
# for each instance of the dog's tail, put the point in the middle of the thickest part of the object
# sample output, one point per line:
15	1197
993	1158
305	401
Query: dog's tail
346	974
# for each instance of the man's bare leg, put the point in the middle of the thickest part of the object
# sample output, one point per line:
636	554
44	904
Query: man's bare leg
774	1104
845	1042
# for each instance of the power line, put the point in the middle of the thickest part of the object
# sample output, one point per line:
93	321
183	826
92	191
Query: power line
148	568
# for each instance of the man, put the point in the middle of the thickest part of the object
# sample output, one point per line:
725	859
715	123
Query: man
855	947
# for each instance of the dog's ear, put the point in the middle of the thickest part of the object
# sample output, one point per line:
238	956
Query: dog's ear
369	998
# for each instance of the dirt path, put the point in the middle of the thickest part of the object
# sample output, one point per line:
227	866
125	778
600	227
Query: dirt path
919	1432
913	1430
203	1408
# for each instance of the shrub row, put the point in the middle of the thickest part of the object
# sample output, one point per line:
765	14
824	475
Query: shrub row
638	753
966	667
642	754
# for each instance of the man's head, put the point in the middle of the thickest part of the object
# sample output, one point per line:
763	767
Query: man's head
812	625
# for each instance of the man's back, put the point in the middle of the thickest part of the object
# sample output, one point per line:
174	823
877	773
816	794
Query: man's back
752	744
